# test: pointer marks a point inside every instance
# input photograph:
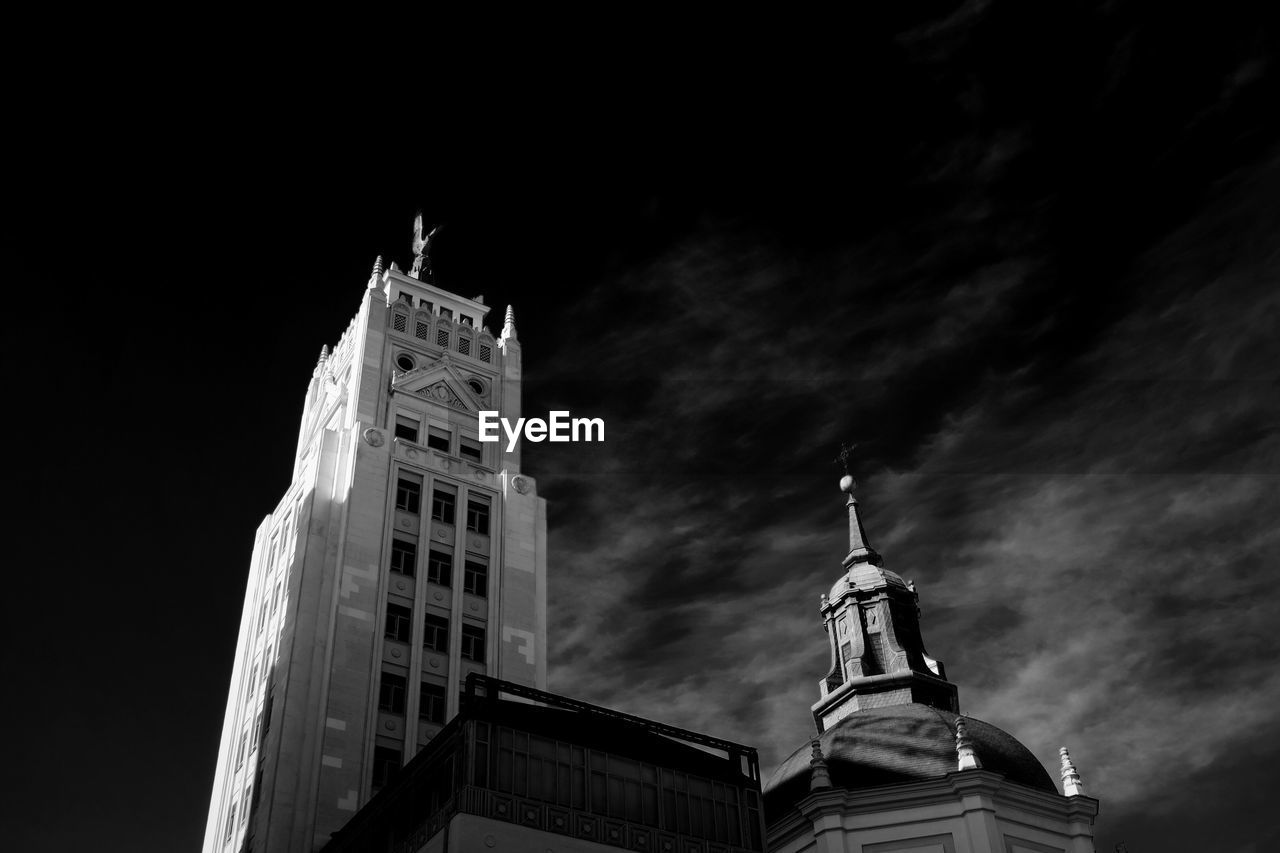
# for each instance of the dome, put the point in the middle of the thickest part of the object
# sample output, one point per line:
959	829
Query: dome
899	744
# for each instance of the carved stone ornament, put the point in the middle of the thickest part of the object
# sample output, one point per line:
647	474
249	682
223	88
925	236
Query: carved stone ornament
374	437
442	393
521	485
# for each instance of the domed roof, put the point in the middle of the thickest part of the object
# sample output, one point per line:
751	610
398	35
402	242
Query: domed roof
899	744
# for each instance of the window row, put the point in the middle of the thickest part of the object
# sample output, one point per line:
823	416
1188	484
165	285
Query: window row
409	428
393	693
462	335
404	560
435	635
444	501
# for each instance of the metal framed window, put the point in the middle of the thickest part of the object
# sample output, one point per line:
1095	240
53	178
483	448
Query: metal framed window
399	623
391	693
475	578
404	555
478	517
386	764
406	428
435	635
408	494
473	642
443	503
431	703
439	567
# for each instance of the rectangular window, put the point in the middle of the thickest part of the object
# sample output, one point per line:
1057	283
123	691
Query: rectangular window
275	600
391	693
446	313
244	806
439	567
408	493
422	330
231	823
399	623
469	449
436	635
406	428
262	617
438	439
442	504
399	321
464	345
475	578
442	336
431	703
257	733
486	352
473	642
478	516
244	740
465	320
404	555
386	764
253	679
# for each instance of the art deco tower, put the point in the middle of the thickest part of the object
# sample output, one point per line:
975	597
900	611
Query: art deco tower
404	555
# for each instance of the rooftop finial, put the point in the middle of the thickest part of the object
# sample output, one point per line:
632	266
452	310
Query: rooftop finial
860	551
421	269
1071	784
377	266
509	324
324	353
968	757
819	776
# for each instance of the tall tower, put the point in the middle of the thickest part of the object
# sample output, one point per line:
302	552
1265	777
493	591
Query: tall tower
404	555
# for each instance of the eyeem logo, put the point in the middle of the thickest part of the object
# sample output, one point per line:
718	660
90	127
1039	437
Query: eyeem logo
560	427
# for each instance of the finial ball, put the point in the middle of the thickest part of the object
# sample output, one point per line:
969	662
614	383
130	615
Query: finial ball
846	483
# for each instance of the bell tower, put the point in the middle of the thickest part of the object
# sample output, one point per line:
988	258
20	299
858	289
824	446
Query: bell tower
872	620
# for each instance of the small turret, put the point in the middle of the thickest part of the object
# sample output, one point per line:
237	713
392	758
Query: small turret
967	757
819	775
1071	784
509	325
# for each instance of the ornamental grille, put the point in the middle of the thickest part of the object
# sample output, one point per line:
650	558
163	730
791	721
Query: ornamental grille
399	322
464	346
422	330
486	352
442	338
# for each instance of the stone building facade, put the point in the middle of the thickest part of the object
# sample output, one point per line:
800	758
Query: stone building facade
404	556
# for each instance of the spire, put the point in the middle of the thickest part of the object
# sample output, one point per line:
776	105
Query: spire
872	620
1071	784
377	266
860	550
819	776
968	758
509	324
324	353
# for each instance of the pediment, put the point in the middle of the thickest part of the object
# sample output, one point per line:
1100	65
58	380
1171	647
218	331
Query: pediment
438	383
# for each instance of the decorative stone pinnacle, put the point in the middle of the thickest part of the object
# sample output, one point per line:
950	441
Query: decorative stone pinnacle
324	353
965	753
377	266
819	776
509	324
1071	784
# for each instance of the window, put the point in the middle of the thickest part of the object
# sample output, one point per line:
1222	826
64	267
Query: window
399	623
399	321
231	823
404	556
262	617
438	439
257	733
464	345
386	763
465	320
469	449
244	740
486	352
253	679
473	642
475	578
436	634
406	428
422	329
391	693
439	567
478	517
275	600
442	337
408	494
406	298
431	703
446	313
404	361
244	806
442	502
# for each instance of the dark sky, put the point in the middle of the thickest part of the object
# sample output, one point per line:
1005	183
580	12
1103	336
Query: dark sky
1028	260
